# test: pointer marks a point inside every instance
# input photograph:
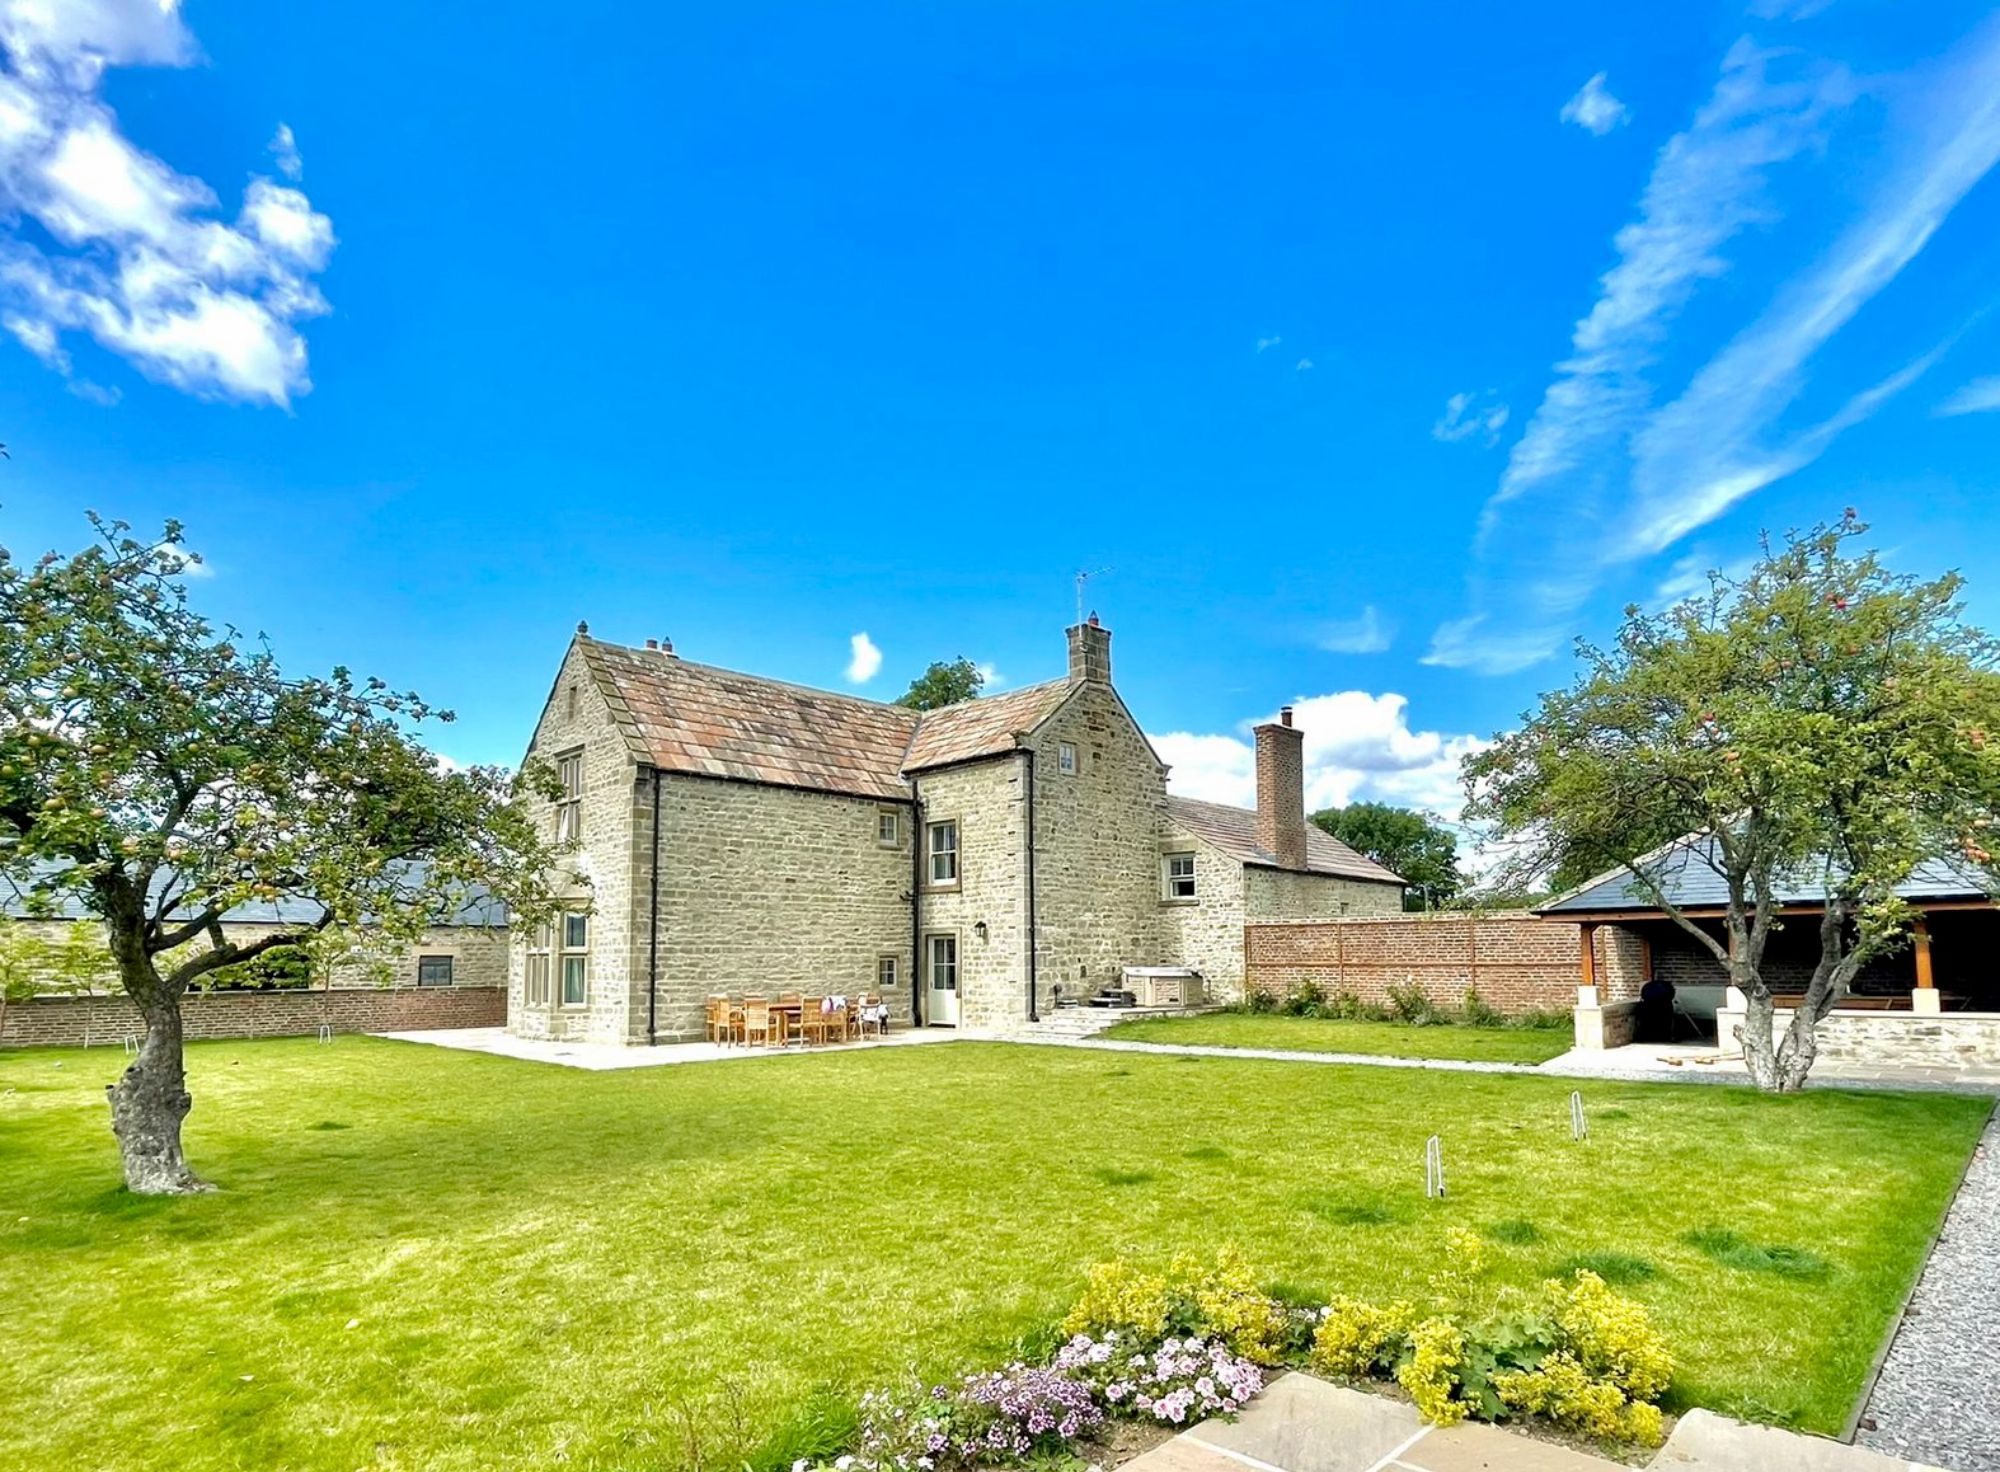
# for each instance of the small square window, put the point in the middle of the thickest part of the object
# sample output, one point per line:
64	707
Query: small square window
1066	759
888	829
1177	876
885	975
433	971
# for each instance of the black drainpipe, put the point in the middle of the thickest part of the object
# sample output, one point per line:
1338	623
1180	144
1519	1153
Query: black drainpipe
916	906
653	929
1029	777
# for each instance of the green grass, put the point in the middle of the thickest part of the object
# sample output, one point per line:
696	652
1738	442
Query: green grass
1335	1035
493	1264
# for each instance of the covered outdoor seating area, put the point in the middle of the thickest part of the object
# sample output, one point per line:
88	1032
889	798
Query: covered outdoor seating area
795	1019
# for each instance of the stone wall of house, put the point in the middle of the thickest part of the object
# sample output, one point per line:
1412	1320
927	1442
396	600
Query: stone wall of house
1097	877
1517	962
579	718
1285	894
479	953
985	799
1206	932
105	1020
765	890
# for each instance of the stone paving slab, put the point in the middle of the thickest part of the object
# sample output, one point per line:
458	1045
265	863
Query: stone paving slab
1705	1442
602	1057
1303	1424
1475	1448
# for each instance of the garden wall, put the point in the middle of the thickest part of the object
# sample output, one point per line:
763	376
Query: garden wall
89	1021
1518	963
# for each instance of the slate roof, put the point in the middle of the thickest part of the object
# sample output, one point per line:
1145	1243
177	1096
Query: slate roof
1682	870
476	906
695	718
983	727
1234	831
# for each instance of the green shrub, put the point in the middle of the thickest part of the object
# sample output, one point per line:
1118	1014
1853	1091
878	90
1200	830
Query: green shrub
1478	1012
1307	999
1409	1003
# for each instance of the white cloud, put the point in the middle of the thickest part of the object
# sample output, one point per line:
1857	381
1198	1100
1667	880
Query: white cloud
1368	633
990	677
1981	396
1604	476
1268	342
1594	109
1304	364
284	151
866	659
1358	746
1466	415
135	254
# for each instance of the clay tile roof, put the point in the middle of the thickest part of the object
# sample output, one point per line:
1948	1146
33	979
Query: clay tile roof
983	727
684	717
1234	831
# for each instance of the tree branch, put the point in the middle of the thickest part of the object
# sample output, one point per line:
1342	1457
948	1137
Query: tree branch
217	957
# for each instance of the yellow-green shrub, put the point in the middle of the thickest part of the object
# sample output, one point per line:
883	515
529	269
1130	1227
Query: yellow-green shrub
1611	1336
1562	1390
1230	1306
1118	1296
1356	1338
1431	1372
1460	1265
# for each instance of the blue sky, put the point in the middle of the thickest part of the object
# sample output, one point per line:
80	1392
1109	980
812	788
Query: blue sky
1377	351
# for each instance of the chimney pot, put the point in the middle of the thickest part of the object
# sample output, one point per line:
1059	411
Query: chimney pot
667	648
1093	620
1285	715
582	627
652	643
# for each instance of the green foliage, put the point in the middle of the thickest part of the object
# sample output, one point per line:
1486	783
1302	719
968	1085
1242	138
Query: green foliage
1410	1003
36	963
1357	1339
1413	845
1825	723
287	968
1216	1297
945	682
1476	1011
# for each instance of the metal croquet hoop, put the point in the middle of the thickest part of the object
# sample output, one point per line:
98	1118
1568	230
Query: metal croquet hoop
1434	1169
131	1045
326	1032
1579	1127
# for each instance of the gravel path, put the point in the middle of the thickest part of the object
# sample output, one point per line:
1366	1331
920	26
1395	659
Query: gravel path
1938	1398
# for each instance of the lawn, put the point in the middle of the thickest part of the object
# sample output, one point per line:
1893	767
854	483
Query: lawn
440	1261
1336	1035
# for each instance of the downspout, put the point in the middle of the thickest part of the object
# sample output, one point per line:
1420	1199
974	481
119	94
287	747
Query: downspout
653	928
916	906
1028	776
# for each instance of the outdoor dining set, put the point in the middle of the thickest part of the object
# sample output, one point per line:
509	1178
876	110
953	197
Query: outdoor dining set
795	1018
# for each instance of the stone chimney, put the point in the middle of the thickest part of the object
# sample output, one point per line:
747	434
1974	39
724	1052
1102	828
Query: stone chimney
1281	790
1090	653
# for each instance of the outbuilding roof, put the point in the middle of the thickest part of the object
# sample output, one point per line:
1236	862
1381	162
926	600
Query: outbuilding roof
1234	831
1686	872
475	906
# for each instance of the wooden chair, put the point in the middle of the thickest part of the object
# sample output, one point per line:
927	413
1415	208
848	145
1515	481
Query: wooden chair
721	1020
756	1020
809	1016
825	1027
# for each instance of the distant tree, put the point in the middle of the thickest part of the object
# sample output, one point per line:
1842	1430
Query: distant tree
944	684
1415	845
60	958
158	775
1819	724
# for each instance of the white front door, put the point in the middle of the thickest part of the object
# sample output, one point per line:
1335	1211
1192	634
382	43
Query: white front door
941	958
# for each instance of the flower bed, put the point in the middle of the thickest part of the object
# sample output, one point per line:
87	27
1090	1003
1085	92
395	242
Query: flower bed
1178	1345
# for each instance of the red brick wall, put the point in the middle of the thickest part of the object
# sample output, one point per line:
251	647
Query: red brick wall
68	1021
1518	963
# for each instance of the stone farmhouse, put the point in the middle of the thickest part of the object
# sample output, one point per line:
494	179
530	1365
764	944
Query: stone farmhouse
975	865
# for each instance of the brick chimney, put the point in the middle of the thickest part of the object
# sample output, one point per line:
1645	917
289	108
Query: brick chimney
1281	790
1090	653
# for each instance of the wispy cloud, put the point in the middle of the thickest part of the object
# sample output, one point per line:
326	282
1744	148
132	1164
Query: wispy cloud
284	151
1603	476
124	248
1594	109
1265	343
1367	633
1466	415
1304	364
990	678
1357	745
1981	396
864	659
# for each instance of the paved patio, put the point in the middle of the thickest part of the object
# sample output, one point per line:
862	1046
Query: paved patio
1301	1424
600	1057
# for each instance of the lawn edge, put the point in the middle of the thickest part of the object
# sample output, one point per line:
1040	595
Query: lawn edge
1852	1427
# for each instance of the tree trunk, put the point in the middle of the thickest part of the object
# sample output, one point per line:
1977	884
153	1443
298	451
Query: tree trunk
150	1101
1759	1056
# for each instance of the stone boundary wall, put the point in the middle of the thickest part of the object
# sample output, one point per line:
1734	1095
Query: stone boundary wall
56	1022
1518	963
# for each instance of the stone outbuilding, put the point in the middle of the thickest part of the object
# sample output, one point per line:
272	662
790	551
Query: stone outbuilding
974	865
